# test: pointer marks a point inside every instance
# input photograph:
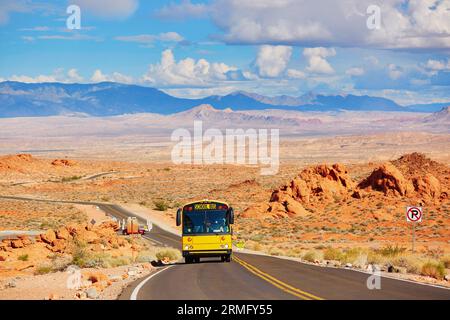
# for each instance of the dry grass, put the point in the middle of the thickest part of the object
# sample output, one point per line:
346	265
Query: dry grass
434	270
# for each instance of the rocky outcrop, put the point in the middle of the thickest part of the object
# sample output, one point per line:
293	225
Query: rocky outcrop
318	182
60	240
321	181
427	185
389	180
16	162
63	163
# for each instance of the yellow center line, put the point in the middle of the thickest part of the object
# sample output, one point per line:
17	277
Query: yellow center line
278	283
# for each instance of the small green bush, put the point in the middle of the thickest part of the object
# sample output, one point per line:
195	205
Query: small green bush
332	254
23	257
435	270
43	269
310	256
172	254
72	178
391	251
161	205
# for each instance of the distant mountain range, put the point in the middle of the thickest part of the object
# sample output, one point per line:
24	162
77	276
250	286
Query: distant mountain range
19	99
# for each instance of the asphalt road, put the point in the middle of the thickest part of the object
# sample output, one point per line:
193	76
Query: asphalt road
261	277
251	276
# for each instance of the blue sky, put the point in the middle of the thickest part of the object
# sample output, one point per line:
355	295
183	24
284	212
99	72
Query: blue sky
197	48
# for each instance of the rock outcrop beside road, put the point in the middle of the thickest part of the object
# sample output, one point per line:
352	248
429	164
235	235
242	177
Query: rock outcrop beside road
413	176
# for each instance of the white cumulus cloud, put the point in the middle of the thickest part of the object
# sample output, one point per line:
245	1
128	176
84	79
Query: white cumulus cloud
403	24
99	76
185	72
316	59
295	74
58	75
272	60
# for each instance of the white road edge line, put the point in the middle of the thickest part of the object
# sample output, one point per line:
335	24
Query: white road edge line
140	285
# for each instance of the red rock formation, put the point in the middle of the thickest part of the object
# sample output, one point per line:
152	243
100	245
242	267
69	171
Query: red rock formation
388	179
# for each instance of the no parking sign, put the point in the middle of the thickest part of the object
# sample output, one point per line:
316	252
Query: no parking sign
414	214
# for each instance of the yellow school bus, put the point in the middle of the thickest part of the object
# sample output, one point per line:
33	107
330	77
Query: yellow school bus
206	230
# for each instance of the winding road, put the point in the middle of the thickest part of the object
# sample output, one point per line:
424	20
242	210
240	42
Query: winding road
257	277
260	277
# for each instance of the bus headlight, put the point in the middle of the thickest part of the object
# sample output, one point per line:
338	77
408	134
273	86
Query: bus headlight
224	246
186	247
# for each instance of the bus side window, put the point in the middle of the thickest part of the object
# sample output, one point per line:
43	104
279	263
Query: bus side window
179	217
230	214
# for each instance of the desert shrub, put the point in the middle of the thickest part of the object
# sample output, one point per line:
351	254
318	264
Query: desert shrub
79	252
161	205
293	253
146	256
391	251
60	262
71	178
257	237
274	251
113	262
353	255
43	269
435	270
23	257
310	256
412	263
172	254
332	254
374	257
96	260
256	246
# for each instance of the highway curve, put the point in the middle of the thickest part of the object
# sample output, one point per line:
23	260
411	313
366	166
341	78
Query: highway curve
258	277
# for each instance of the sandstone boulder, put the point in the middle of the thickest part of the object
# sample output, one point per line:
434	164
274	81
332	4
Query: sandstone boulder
389	180
427	185
16	244
62	233
49	236
25	240
87	236
58	245
317	182
320	181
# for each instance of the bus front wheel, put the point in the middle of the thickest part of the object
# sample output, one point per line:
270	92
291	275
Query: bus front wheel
228	258
188	259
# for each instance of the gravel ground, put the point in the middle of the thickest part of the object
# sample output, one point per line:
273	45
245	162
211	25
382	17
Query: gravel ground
54	285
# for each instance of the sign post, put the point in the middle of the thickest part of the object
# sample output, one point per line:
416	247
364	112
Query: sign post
414	215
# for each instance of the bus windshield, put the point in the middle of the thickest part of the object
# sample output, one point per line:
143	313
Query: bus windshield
205	221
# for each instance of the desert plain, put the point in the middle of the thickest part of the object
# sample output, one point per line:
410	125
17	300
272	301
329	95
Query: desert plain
339	196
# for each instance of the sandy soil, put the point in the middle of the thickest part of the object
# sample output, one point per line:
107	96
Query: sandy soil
54	285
